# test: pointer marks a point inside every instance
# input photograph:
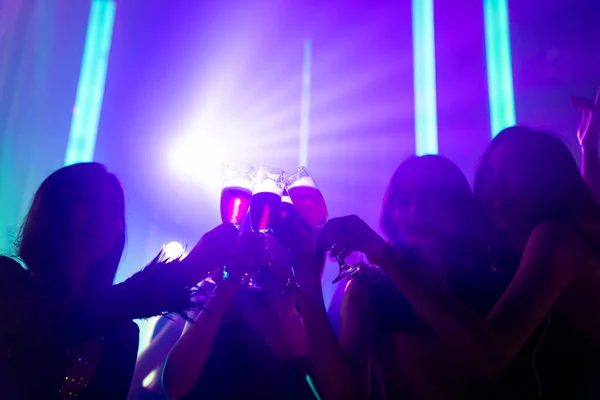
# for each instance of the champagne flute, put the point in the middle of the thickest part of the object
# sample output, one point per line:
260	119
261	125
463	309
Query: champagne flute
267	190
236	195
310	203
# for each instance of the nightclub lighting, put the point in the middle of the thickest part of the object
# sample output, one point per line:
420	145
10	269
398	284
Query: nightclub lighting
173	250
149	379
305	105
499	65
202	157
90	91
426	134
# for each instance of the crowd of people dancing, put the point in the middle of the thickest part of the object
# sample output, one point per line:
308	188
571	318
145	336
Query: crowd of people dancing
490	292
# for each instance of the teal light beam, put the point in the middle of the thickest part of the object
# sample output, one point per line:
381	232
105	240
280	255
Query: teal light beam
426	128
499	65
305	105
90	91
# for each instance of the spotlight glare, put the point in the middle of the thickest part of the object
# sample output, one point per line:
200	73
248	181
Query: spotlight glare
173	250
203	161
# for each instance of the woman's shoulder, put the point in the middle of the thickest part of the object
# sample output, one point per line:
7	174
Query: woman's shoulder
553	232
357	292
561	241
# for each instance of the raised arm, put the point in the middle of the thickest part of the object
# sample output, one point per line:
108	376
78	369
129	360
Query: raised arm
38	318
188	357
588	134
154	356
334	372
547	268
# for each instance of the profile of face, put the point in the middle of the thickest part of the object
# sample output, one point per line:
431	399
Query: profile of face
510	189
424	200
97	218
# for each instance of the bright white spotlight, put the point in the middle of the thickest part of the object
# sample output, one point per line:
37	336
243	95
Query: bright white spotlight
173	250
201	159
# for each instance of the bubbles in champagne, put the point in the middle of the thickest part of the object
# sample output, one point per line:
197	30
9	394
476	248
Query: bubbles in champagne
303	181
269	186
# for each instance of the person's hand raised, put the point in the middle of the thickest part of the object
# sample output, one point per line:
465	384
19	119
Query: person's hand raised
293	232
215	249
345	235
589	128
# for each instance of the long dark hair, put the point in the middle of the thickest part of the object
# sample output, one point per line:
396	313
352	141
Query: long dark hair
566	197
45	237
469	278
456	189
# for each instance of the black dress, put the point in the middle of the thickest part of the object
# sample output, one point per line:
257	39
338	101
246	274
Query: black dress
556	363
241	366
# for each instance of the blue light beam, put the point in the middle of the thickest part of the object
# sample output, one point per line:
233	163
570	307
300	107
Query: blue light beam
305	105
426	129
90	91
499	65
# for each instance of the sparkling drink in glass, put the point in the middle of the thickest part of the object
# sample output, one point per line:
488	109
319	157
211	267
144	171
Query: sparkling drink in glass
266	198
307	198
236	195
310	203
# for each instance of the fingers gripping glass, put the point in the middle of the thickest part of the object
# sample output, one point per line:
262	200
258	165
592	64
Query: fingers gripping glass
310	203
267	190
236	198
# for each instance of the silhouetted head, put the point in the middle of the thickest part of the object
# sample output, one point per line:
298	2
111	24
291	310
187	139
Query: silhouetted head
429	204
528	177
76	220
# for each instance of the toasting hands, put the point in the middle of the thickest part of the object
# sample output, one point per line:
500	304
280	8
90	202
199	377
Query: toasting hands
293	232
345	235
589	127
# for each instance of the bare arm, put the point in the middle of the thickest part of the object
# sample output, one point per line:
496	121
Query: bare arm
155	355
588	134
333	373
187	358
357	332
488	345
590	168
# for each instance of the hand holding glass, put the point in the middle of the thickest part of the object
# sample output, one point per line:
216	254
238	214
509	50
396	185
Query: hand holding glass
237	193
310	203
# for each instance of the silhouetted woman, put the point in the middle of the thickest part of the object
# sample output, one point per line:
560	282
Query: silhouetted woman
69	332
428	212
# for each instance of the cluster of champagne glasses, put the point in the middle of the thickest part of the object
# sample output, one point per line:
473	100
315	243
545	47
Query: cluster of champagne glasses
259	193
